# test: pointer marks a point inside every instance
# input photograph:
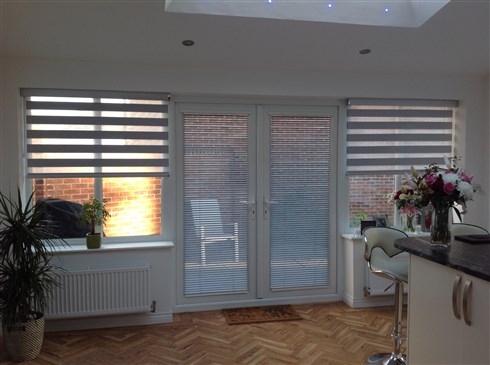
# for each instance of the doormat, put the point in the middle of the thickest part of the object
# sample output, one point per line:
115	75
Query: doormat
260	314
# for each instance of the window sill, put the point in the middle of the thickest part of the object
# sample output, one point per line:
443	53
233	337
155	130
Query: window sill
356	236
351	236
59	250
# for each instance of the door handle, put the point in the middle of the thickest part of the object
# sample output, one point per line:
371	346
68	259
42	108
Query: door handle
456	284
251	207
466	301
267	206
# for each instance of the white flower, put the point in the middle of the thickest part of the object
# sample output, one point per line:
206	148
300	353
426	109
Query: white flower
409	179
450	178
448	163
466	189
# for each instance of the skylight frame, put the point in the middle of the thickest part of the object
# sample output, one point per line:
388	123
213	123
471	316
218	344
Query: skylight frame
400	13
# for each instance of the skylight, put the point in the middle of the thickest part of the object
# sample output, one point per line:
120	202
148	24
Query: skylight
399	13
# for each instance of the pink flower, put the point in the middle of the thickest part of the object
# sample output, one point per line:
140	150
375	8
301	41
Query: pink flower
431	179
409	210
449	188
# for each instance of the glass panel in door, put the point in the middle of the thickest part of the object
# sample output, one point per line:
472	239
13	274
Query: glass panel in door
215	213
299	189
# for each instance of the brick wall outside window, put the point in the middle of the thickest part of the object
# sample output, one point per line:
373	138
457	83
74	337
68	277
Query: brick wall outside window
369	195
134	203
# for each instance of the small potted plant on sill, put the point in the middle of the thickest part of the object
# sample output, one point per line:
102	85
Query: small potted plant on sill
356	222
94	214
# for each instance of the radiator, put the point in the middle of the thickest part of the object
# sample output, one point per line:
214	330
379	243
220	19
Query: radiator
376	285
95	292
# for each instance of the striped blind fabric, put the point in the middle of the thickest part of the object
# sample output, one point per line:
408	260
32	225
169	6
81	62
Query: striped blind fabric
389	136
73	133
216	178
300	171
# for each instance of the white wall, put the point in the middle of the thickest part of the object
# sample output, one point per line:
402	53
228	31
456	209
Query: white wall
17	73
486	151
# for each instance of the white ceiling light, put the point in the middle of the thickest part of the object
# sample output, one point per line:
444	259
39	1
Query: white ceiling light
400	13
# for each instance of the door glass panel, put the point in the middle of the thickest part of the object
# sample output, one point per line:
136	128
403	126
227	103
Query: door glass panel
299	201
215	211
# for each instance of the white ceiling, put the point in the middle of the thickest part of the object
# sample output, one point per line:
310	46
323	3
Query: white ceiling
454	41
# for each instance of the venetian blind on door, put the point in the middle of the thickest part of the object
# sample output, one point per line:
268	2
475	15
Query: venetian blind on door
299	201
89	133
388	136
215	212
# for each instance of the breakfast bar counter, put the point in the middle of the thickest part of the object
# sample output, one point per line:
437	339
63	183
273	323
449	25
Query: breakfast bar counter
473	259
449	302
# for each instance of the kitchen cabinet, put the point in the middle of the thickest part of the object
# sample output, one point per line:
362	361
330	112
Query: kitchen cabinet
448	315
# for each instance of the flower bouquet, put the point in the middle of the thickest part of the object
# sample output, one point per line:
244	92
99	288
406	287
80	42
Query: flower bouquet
443	188
407	200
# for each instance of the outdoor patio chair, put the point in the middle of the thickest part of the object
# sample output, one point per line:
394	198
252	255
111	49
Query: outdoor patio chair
209	226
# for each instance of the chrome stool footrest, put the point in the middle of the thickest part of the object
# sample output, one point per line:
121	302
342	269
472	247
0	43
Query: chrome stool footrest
386	359
398	336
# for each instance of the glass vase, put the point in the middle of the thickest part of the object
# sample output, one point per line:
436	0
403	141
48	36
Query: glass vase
408	223
440	235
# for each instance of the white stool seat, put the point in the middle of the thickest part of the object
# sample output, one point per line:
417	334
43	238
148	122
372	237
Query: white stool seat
396	266
459	229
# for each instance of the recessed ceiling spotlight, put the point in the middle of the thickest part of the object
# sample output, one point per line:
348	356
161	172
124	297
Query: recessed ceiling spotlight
188	43
365	51
387	10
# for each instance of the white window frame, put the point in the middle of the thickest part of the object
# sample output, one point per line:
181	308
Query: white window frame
167	202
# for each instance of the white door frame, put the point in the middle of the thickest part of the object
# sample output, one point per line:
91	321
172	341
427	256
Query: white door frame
259	128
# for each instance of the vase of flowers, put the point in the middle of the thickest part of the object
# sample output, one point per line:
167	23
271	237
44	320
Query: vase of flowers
443	188
407	200
440	234
408	223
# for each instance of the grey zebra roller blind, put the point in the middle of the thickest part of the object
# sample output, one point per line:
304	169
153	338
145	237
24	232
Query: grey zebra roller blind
388	136
95	133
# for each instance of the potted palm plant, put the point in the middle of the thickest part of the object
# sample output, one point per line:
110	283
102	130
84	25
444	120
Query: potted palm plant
26	275
94	214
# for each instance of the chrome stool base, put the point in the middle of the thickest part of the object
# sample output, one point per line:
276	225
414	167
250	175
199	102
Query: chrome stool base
386	359
396	357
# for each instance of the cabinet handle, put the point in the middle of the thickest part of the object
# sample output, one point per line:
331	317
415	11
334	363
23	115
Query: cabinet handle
466	298
457	282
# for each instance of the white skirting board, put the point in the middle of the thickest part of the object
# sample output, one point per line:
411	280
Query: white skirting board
76	324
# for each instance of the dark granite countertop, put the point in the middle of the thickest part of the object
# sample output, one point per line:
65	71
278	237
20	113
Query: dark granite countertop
473	259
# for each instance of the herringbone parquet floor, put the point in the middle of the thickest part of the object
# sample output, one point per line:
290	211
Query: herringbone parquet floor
329	334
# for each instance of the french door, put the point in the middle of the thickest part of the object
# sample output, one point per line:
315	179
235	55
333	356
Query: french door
258	197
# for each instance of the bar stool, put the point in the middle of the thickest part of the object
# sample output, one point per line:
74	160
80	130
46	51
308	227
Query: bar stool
387	261
465	228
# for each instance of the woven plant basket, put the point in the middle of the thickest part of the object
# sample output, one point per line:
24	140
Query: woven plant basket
24	341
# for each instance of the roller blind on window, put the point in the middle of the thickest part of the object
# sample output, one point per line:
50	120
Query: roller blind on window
95	133
390	136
